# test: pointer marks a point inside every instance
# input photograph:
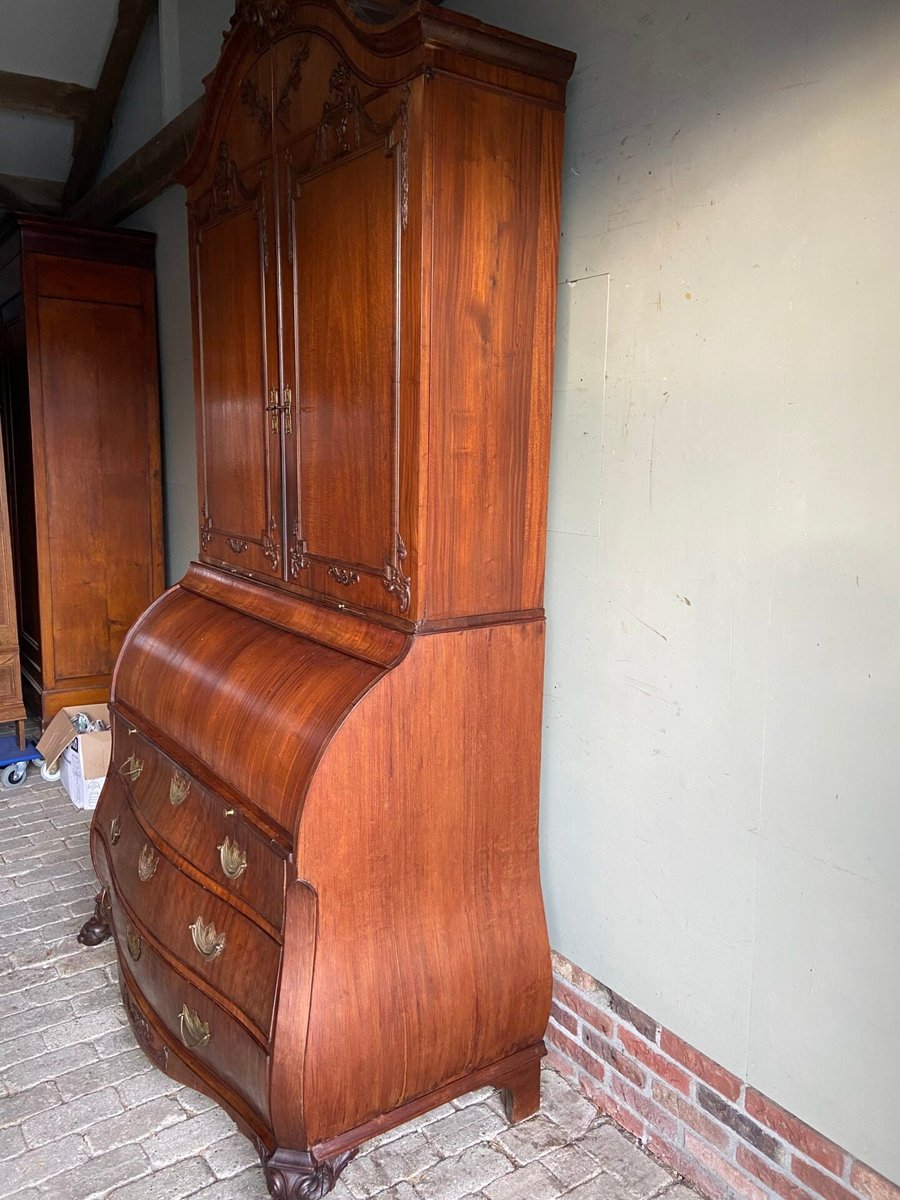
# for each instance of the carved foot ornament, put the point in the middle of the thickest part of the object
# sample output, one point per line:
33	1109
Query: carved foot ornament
295	1175
96	929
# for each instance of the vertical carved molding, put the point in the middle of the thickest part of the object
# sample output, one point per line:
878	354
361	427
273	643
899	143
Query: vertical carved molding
394	581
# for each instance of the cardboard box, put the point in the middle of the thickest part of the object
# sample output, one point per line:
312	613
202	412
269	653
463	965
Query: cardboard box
83	757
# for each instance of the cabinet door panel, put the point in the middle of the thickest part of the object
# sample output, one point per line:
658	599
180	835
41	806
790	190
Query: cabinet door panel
345	337
346	181
238	429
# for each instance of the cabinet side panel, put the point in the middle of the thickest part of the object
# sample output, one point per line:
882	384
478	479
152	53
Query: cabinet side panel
419	838
494	260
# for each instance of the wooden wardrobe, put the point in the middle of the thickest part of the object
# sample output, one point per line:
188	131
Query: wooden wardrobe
81	431
318	840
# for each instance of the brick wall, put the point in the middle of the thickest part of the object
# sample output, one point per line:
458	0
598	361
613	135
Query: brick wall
714	1129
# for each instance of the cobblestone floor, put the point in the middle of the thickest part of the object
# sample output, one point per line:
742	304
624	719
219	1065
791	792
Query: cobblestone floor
83	1113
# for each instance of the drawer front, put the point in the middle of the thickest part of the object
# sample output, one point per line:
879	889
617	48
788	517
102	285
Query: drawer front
207	830
191	1018
204	932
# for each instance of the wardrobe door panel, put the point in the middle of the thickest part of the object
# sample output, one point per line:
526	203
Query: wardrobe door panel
347	187
239	416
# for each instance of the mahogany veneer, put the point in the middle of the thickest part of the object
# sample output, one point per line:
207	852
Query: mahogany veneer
318	840
81	429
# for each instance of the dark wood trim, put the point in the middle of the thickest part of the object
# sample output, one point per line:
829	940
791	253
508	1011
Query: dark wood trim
43	235
19	193
46	97
143	176
91	136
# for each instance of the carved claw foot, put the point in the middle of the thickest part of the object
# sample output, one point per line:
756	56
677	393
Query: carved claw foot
295	1174
96	929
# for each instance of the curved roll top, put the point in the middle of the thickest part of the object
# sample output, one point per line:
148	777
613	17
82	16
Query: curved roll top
257	704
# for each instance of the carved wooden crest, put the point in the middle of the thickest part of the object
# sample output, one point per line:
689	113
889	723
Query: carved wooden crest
267	17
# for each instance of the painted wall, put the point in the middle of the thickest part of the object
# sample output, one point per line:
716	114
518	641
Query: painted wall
720	809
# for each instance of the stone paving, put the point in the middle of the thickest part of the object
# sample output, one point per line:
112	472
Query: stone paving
83	1114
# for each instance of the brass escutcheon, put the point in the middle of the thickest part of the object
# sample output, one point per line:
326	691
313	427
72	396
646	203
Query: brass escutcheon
147	862
232	858
133	942
208	942
194	1031
115	830
131	767
178	788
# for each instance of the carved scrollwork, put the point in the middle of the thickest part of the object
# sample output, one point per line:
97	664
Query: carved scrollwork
298	554
155	1049
291	84
344	575
267	17
236	545
295	1176
271	549
226	192
257	104
344	118
206	530
393	579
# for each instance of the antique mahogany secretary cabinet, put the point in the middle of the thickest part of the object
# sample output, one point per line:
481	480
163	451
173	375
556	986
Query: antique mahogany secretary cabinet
318	841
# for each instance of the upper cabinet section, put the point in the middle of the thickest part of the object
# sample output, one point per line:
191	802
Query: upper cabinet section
374	215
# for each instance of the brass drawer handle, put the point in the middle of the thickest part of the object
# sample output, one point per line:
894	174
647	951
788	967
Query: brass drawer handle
194	1032
115	830
232	858
208	942
133	942
147	862
178	788
131	767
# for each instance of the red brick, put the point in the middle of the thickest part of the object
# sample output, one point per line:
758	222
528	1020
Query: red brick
823	1185
562	1017
715	1163
629	1121
770	1176
584	1007
698	1064
621	1062
577	1053
710	1185
742	1125
651	1058
634	1016
794	1131
565	969
562	1065
685	1112
644	1106
871	1184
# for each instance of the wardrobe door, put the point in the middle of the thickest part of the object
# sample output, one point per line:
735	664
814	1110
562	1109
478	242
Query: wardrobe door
239	411
346	185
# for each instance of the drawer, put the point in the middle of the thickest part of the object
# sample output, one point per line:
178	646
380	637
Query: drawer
218	1044
207	935
207	830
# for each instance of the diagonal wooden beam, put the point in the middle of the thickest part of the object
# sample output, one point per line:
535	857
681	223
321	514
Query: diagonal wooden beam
19	193
91	137
47	97
143	176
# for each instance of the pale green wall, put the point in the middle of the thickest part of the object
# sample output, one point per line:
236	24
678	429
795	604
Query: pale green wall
721	756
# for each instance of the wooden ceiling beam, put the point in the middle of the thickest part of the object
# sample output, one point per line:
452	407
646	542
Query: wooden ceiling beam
19	193
143	176
92	135
46	97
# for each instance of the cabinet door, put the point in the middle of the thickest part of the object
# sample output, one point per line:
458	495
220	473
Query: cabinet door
346	182
235	314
